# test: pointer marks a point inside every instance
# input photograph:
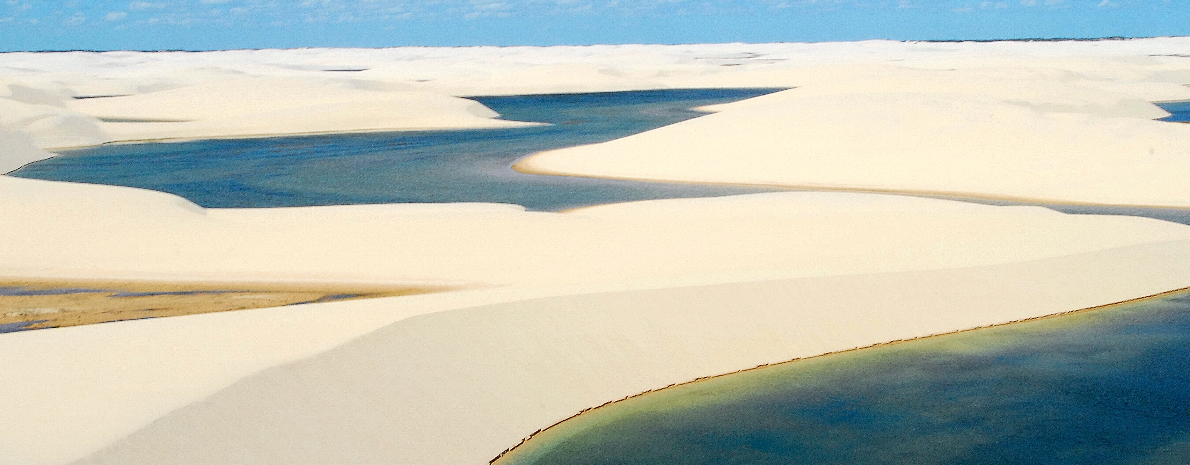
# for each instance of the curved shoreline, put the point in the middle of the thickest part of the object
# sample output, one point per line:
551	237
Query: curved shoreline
586	411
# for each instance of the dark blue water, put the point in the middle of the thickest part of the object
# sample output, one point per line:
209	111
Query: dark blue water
17	291
1109	386
18	326
399	167
1180	111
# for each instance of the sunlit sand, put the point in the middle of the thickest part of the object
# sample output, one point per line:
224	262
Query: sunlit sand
552	313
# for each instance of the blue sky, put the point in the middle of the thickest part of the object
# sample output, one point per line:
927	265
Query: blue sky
227	24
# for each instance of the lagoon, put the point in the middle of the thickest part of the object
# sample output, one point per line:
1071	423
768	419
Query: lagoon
401	167
442	166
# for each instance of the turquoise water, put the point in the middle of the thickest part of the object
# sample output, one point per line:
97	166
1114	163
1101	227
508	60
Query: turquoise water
399	167
1109	386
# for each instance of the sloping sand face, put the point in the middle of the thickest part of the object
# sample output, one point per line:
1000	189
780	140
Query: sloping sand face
18	151
571	310
461	386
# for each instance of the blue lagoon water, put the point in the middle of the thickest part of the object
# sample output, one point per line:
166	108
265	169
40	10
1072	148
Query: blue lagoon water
399	167
1109	386
1179	111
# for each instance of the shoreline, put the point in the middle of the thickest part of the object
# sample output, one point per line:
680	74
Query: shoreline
585	411
1159	295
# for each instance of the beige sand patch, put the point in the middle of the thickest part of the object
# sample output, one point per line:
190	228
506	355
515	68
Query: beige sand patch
34	304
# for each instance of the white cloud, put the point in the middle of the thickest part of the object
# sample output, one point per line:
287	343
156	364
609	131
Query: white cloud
75	20
1029	2
214	2
117	15
136	6
482	8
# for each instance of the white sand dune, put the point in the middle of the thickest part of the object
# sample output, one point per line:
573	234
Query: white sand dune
50	125
565	311
271	106
988	132
130	233
328	85
661	245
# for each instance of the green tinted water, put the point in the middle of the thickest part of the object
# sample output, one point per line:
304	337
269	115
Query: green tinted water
1096	387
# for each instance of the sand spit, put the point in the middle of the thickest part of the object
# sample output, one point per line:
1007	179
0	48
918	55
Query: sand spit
566	311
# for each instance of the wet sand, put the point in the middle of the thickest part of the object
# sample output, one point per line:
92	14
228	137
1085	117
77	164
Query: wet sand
35	304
